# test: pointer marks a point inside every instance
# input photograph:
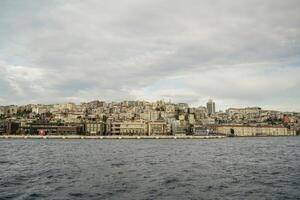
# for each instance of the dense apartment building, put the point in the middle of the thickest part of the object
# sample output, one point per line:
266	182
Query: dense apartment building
141	118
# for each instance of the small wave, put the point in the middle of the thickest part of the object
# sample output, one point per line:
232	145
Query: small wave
172	180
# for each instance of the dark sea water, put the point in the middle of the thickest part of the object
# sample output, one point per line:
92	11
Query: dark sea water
231	168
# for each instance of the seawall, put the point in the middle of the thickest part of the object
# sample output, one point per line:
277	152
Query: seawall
105	137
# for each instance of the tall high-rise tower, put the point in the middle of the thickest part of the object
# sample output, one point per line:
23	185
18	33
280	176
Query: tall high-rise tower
211	107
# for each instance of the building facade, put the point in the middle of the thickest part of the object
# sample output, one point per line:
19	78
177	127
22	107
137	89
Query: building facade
157	128
95	128
244	130
211	107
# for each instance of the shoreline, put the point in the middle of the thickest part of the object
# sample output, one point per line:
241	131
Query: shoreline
117	137
107	137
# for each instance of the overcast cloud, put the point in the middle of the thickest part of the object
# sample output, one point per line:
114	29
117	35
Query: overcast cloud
240	53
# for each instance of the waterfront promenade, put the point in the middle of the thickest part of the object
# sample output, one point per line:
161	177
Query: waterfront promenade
106	137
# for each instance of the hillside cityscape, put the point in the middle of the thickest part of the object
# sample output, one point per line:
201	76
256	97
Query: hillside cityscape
144	118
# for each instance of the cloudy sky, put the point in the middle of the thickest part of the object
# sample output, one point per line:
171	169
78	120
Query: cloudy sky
239	53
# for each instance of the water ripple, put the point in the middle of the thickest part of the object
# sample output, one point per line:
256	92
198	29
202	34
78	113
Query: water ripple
233	168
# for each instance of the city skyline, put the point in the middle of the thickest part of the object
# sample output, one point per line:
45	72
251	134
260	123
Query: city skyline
240	54
144	118
209	101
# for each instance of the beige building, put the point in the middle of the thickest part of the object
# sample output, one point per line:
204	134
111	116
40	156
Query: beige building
170	108
180	127
8	110
208	121
2	110
138	127
150	115
94	128
191	119
181	117
157	128
200	113
244	130
68	106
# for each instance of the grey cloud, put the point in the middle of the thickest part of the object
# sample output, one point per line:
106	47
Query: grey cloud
107	49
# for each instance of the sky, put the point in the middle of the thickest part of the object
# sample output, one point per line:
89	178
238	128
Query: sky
239	53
